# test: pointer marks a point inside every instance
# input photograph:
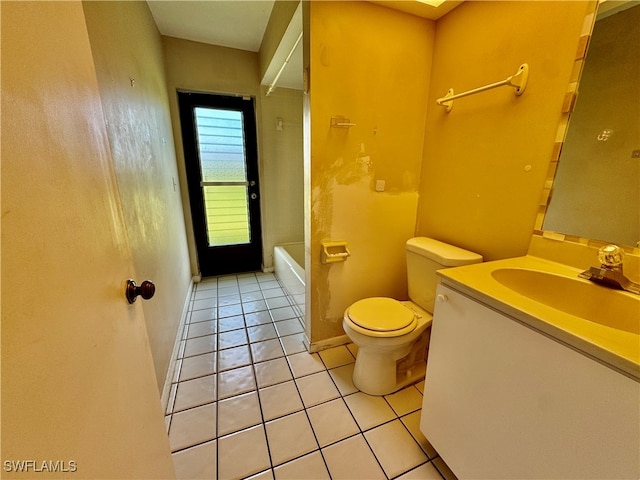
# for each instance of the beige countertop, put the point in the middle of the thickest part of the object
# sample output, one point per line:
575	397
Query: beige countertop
615	348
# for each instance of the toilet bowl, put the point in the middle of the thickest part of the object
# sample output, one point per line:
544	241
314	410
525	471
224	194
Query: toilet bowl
393	336
386	331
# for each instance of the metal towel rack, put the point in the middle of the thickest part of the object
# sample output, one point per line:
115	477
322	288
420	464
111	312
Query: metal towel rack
518	81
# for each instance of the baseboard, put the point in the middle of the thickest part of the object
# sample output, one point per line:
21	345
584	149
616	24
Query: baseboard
327	343
171	370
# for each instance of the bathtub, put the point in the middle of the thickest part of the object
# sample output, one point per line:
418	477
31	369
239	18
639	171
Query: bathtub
288	261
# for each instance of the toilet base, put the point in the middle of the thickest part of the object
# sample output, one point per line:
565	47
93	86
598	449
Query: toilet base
391	374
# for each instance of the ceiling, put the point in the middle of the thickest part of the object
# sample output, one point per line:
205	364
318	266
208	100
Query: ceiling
241	24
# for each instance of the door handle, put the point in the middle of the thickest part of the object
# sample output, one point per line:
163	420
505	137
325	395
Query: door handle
253	196
146	290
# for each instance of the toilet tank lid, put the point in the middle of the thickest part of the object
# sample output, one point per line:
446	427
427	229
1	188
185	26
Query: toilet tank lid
442	253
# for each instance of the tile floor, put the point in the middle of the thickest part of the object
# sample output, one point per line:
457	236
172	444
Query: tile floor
248	400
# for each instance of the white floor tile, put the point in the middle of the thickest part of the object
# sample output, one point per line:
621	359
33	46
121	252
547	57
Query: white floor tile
243	453
277	302
253	306
233	358
351	459
202	293
369	411
293	343
251	296
229	311
332	422
236	381
232	374
198	366
192	427
405	401
260	333
290	437
310	467
272	293
288	327
337	356
272	372
230	288
282	313
200	345
204	315
197	462
280	400
267	350
205	303
257	318
226	300
233	338
316	388
305	364
200	329
230	323
395	448
252	286
192	393
343	378
239	412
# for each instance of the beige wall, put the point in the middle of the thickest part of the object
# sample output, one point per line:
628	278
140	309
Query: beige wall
370	64
282	172
279	20
127	48
486	161
206	68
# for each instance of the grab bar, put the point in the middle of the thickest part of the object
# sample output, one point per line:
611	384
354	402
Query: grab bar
518	81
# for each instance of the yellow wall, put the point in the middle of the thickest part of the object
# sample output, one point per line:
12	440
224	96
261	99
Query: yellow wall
370	64
485	162
126	45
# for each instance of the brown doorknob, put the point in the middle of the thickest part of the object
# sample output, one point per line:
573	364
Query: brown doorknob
146	290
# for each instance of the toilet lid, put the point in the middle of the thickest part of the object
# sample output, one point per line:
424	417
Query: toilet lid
382	314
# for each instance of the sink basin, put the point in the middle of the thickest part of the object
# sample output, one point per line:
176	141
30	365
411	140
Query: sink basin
575	296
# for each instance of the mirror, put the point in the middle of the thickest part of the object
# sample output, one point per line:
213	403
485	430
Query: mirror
596	190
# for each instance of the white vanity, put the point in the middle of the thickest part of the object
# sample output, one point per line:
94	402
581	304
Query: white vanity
520	385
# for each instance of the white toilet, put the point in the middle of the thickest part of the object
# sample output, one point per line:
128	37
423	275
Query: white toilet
393	336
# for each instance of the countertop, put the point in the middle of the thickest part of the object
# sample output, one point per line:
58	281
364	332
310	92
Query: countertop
614	348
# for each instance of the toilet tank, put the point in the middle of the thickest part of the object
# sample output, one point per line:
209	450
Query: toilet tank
424	257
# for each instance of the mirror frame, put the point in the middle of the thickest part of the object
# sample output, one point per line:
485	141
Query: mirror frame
567	108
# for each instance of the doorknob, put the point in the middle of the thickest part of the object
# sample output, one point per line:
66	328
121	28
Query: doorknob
146	290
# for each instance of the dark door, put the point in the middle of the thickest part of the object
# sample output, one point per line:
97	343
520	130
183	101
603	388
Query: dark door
221	156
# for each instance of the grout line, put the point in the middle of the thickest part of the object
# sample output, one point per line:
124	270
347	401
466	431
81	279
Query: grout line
293	379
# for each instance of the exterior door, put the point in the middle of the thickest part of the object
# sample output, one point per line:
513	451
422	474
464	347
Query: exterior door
221	156
79	395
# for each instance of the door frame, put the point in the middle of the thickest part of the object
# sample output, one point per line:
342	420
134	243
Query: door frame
226	259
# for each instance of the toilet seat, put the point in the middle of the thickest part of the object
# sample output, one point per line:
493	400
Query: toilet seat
381	317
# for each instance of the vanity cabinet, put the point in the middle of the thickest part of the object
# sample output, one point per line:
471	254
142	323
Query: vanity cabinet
503	400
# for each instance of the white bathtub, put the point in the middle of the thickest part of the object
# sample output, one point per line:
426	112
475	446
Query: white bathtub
288	260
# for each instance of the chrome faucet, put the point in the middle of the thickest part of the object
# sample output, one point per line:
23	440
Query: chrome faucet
609	273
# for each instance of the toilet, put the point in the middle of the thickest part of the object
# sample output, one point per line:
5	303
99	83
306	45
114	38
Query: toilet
393	336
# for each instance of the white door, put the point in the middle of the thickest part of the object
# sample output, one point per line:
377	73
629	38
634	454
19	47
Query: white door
78	387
